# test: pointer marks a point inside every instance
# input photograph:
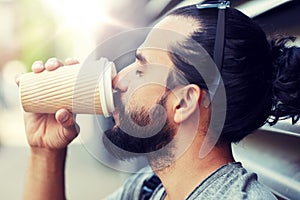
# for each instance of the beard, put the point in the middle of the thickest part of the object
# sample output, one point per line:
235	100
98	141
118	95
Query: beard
143	132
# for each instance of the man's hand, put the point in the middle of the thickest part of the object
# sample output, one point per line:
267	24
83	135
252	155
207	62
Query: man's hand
48	136
49	131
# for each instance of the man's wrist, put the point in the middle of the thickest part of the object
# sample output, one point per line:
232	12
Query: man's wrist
47	151
45	177
52	160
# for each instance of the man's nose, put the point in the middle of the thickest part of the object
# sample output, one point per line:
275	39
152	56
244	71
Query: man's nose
121	81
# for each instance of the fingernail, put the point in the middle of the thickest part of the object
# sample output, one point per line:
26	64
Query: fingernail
51	63
64	118
70	60
54	63
37	65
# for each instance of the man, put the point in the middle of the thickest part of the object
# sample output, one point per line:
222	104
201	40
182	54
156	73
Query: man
150	90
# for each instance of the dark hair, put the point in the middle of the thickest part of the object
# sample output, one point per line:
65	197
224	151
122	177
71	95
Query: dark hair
261	77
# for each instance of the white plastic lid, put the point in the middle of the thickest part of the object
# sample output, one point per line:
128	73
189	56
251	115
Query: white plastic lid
105	87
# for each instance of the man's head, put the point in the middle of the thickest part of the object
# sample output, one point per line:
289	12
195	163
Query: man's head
153	97
162	92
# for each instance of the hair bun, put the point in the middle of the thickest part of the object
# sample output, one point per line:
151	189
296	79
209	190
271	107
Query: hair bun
286	80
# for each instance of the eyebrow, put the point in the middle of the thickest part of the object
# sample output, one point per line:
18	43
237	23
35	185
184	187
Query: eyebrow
140	58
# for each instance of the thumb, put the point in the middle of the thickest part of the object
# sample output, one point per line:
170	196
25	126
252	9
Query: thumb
67	121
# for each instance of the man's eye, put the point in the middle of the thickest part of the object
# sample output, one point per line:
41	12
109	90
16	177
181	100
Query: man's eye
139	73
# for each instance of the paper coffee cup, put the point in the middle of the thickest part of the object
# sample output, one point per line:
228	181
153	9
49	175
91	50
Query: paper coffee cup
81	88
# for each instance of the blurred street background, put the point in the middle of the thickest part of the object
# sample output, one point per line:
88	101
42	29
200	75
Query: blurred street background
37	30
40	29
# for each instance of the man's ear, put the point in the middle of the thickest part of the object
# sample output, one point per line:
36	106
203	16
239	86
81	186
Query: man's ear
187	102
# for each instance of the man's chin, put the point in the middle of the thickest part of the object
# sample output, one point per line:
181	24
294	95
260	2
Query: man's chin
158	149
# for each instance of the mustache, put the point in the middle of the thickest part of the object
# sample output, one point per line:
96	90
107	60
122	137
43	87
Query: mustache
142	122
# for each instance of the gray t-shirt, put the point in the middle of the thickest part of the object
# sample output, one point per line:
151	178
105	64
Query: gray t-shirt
231	182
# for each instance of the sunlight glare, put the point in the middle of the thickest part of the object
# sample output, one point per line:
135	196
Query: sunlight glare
80	14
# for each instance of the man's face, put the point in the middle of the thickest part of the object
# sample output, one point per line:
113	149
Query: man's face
143	123
144	114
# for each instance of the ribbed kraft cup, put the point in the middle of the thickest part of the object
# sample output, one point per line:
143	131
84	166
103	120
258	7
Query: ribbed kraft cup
70	88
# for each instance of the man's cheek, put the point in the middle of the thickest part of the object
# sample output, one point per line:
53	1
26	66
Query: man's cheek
145	96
